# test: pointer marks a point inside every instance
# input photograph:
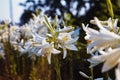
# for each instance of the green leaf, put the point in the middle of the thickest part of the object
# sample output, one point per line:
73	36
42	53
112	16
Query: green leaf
48	24
55	21
110	8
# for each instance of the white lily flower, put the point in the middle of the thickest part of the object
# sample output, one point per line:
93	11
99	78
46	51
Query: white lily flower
37	38
67	42
110	59
110	24
24	48
106	41
14	33
36	21
100	39
46	50
37	25
26	32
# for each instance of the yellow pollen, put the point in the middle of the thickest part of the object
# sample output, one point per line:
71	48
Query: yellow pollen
65	38
12	28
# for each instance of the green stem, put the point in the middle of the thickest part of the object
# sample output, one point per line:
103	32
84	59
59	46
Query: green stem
91	72
110	8
107	76
57	67
71	67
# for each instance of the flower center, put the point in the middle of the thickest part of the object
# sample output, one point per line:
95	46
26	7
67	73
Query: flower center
65	38
47	51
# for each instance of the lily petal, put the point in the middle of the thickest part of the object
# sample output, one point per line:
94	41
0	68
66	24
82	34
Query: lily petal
64	53
55	51
71	47
111	60
49	58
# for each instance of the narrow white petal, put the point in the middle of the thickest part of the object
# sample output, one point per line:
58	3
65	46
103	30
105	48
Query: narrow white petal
94	63
99	24
71	47
85	75
65	29
111	60
99	79
115	24
97	45
50	35
84	27
49	58
55	51
98	59
117	73
39	53
107	32
44	41
72	40
64	53
95	60
75	33
43	52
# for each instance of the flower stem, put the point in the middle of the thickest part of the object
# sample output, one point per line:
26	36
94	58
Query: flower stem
91	72
57	67
107	76
110	8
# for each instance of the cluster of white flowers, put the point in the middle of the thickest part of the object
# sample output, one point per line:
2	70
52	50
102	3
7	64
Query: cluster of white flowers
41	36
106	41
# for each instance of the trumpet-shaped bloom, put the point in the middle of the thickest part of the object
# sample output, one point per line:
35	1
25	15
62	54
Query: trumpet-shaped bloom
106	41
100	39
26	32
40	36
110	24
46	50
37	25
67	42
110	59
14	33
